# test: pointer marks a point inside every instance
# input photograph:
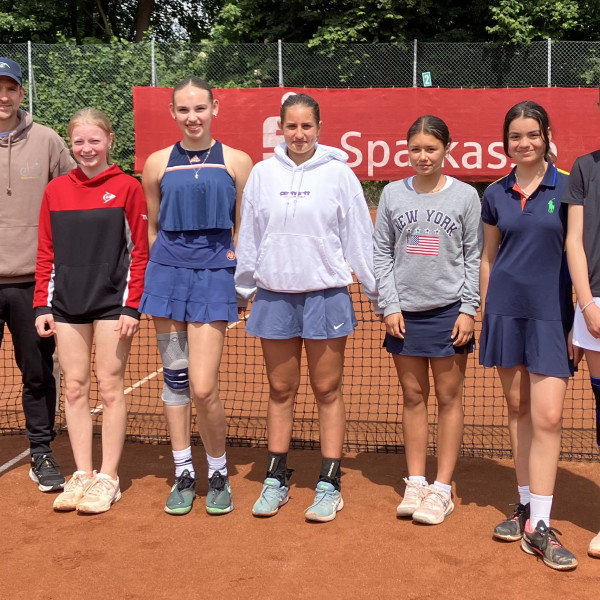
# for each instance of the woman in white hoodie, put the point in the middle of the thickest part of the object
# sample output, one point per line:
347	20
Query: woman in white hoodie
305	225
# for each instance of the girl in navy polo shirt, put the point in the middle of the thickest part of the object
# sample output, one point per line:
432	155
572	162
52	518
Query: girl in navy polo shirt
528	313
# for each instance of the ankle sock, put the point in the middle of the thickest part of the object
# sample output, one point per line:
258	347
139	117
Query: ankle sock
524	494
420	479
445	487
183	461
217	464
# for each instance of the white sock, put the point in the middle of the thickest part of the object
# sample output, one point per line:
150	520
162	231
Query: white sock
217	464
183	461
445	487
540	508
524	494
420	479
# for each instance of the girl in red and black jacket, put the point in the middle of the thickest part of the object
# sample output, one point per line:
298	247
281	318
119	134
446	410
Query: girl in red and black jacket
92	255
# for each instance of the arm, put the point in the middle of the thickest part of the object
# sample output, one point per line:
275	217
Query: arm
239	165
578	268
491	244
153	171
137	220
248	242
44	322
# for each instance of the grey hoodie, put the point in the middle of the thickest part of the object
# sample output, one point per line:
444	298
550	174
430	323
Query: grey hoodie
427	248
30	156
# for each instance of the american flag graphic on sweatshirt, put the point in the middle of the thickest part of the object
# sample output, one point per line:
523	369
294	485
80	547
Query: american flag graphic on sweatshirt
427	245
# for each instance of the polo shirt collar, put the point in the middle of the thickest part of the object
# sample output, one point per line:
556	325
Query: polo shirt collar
548	181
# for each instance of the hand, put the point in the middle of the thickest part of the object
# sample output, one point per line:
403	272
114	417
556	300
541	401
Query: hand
394	325
591	316
44	325
462	331
128	326
575	353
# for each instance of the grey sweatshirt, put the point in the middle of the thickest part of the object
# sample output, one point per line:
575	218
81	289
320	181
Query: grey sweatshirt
427	247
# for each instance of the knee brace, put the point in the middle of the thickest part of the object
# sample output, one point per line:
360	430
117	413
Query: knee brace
173	348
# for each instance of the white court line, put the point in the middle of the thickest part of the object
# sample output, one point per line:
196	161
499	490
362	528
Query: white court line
97	409
14	461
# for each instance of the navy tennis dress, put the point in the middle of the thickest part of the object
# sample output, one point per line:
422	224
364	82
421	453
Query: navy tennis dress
189	277
529	304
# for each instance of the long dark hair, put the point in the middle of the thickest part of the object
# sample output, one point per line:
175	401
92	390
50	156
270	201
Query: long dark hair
530	110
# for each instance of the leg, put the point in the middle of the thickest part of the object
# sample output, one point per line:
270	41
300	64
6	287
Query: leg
33	356
74	351
282	362
593	361
448	376
325	367
413	373
111	359
516	387
176	404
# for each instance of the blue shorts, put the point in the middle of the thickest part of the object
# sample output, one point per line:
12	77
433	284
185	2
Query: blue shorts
317	315
429	334
189	295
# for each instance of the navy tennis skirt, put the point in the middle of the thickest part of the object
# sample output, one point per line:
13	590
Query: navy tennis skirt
428	333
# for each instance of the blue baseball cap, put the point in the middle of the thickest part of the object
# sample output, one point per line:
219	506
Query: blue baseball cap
9	68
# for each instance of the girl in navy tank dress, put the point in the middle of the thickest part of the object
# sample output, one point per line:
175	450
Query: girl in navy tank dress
194	190
582	196
528	313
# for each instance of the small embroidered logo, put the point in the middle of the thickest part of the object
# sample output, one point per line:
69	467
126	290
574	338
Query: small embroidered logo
108	197
230	255
551	206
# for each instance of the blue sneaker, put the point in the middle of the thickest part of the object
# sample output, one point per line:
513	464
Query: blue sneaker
328	501
273	496
219	499
182	495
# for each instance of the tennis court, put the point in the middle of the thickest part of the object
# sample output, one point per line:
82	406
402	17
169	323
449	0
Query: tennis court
137	551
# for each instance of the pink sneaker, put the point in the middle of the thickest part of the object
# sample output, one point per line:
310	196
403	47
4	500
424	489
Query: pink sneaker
73	491
99	494
413	496
436	506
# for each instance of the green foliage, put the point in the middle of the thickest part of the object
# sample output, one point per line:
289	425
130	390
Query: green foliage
521	22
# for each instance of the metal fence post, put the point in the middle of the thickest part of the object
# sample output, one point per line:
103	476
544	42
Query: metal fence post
30	77
154	81
415	63
280	61
549	62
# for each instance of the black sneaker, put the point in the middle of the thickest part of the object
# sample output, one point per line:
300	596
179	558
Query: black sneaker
543	542
511	530
44	471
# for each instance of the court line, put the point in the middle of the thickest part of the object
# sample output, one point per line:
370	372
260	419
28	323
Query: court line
7	465
14	461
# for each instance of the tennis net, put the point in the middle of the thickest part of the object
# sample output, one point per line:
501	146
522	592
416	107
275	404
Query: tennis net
371	393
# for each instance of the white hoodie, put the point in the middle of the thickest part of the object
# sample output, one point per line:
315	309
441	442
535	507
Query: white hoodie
304	226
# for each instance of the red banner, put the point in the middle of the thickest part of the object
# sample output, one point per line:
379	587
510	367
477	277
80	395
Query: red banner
371	124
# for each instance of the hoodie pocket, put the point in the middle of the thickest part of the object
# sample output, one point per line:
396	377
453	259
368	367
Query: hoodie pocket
84	289
294	263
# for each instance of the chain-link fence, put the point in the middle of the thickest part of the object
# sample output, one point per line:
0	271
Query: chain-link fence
63	78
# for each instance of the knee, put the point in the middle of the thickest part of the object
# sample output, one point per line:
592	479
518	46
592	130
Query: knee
413	397
76	392
550	422
517	406
110	391
283	392
327	394
203	395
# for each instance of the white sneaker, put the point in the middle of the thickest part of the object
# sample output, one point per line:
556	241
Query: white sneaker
99	494
594	547
436	505
73	491
413	496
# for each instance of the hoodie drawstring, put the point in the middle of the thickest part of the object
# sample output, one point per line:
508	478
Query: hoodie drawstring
8	189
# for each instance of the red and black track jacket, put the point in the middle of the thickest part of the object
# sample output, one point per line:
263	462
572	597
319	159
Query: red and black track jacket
92	244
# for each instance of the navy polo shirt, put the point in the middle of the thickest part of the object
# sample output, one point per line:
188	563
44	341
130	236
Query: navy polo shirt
529	278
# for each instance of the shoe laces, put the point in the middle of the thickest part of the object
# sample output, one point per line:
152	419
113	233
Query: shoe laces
435	497
550	534
46	461
519	510
185	481
99	487
217	481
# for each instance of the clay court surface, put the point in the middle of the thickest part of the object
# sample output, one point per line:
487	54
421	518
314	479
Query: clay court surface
136	551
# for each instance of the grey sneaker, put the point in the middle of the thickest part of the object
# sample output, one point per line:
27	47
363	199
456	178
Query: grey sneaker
219	499
511	530
328	501
182	495
542	541
273	496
